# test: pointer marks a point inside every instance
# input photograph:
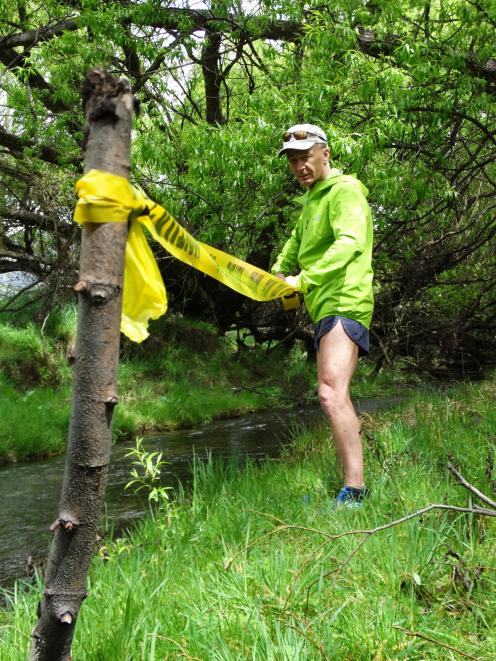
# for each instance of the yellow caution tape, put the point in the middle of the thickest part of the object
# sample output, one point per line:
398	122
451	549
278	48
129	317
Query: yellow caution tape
292	301
108	198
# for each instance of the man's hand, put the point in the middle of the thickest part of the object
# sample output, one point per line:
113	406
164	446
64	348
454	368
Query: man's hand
292	280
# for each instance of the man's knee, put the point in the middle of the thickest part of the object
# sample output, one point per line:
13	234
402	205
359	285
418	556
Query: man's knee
332	398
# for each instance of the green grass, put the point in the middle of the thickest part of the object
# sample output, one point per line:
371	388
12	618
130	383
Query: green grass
293	591
34	393
33	421
179	388
26	360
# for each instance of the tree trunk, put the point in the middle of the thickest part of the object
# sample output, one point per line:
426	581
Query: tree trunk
109	108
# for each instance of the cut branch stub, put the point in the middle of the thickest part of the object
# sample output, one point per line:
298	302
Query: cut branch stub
64	606
67	521
99	292
80	286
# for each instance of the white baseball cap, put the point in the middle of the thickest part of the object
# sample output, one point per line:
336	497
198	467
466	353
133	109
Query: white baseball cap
302	137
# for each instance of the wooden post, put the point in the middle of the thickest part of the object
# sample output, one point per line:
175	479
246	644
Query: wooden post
108	105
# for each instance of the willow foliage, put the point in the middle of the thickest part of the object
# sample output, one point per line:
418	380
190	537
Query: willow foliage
405	90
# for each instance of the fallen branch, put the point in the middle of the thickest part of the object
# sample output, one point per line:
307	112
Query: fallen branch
366	533
283	526
372	531
280	528
470	487
436	642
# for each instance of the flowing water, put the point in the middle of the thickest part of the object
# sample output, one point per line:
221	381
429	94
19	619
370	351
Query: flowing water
29	492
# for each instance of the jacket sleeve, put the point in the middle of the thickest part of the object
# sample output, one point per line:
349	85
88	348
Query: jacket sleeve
287	260
348	212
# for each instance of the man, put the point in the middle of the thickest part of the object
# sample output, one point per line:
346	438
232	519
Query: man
331	247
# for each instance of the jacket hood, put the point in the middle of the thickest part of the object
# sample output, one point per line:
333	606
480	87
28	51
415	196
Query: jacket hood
335	176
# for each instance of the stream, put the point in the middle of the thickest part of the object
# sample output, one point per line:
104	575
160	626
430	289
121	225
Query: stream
29	492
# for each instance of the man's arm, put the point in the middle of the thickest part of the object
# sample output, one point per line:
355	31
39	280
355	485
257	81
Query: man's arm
348	219
287	260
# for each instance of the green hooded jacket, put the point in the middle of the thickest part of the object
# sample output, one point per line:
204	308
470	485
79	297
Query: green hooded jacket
332	246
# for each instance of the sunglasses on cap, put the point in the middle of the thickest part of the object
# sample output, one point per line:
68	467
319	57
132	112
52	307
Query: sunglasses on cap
300	135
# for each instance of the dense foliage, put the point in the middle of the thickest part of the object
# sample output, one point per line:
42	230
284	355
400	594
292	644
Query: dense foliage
406	91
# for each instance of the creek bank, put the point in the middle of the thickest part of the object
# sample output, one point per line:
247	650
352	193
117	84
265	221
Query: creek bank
33	488
31	433
187	379
179	379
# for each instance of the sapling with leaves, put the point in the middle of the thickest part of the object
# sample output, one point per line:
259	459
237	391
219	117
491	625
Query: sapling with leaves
146	474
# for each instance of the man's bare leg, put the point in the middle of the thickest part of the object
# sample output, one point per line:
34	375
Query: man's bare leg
336	362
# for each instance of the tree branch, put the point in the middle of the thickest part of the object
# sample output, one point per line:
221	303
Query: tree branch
45	33
470	487
32	219
16	145
212	78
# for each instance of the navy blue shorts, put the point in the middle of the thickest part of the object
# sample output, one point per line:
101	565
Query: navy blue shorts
353	329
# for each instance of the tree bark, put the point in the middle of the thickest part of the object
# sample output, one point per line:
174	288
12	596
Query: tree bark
109	108
212	78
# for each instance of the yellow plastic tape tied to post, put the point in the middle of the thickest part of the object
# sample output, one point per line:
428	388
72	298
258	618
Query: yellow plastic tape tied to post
105	198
